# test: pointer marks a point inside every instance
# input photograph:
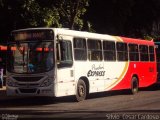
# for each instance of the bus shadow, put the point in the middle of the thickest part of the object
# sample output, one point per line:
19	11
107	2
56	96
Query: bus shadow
154	87
34	101
108	94
31	101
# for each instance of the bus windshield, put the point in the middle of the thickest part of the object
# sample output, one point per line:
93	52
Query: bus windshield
30	57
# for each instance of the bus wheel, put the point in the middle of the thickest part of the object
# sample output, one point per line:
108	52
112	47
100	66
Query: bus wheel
134	85
81	91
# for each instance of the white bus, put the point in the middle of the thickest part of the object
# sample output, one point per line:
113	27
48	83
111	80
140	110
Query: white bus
61	62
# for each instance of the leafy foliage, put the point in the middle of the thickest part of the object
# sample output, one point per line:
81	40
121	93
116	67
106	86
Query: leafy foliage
71	12
38	14
16	14
131	18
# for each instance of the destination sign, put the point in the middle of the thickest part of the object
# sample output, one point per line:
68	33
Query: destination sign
32	35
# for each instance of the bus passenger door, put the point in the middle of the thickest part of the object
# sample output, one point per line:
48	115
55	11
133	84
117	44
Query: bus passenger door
65	73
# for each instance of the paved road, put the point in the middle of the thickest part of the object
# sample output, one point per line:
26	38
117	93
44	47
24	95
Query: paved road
115	105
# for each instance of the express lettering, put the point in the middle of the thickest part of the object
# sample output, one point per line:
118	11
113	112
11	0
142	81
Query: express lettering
95	73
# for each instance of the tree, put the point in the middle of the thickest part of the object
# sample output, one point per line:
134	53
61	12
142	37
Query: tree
39	14
16	14
71	12
57	13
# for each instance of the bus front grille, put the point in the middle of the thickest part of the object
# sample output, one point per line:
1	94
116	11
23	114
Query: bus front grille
23	90
28	79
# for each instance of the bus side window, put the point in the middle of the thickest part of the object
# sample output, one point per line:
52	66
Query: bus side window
94	50
144	53
151	53
109	51
133	52
122	51
64	54
80	51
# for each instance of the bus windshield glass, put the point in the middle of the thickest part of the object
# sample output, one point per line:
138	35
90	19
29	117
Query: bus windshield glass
30	57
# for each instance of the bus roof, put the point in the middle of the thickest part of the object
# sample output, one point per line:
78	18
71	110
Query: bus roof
84	34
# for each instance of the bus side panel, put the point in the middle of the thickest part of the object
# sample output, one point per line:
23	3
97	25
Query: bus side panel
145	71
115	71
148	74
93	72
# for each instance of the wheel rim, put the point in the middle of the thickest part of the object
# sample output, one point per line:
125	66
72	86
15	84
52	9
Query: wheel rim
135	87
81	91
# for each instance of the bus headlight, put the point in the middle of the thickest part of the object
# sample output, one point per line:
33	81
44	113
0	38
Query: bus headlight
46	83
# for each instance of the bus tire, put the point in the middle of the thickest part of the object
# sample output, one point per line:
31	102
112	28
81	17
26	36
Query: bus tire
81	91
134	85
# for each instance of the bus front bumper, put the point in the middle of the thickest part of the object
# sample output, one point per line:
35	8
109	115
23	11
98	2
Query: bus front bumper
30	91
